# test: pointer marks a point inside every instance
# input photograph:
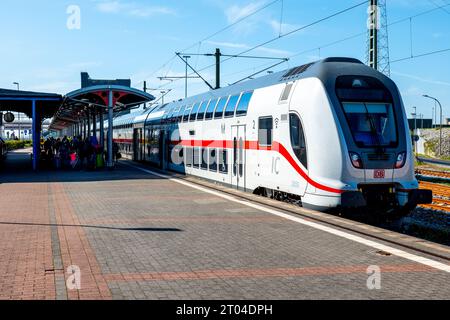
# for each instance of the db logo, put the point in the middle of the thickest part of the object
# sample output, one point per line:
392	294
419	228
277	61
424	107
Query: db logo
378	174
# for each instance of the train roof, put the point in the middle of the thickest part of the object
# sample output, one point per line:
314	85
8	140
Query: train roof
319	69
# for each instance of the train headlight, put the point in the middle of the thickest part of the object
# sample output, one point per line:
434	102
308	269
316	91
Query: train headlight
356	160
401	160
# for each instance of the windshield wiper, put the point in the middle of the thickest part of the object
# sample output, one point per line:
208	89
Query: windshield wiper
374	131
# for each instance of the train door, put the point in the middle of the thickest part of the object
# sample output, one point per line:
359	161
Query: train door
137	136
238	160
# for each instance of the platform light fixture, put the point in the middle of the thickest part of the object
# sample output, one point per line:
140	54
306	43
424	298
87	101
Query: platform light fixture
440	122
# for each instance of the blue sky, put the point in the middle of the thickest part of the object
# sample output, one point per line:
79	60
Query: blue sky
137	39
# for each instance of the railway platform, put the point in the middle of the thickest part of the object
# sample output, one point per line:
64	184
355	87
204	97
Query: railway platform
134	233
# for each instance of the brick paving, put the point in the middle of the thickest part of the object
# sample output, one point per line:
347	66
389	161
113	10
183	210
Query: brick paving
136	236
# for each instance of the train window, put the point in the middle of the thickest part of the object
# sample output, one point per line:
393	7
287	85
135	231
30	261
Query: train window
286	92
242	107
210	111
223	161
176	153
194	112
166	115
187	112
201	110
220	107
371	123
189	157
235	155
213	160
196	162
204	155
265	126
174	113
180	114
241	157
231	106
181	155
298	139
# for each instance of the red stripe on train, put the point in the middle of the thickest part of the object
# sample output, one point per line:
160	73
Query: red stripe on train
254	145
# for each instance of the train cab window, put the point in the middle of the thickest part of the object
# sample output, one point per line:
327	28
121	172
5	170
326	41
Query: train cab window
231	106
201	110
194	112
242	107
220	108
223	161
210	111
298	139
187	112
213	160
371	123
265	127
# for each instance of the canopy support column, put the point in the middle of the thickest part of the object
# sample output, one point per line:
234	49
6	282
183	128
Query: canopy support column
88	124
94	124
36	138
102	130
110	129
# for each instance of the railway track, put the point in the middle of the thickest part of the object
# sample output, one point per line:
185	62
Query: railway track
433	173
441	196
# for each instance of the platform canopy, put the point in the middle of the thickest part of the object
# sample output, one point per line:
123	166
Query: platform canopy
77	103
22	101
36	105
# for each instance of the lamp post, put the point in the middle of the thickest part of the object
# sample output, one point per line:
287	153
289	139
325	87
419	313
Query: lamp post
440	122
18	113
186	80
414	114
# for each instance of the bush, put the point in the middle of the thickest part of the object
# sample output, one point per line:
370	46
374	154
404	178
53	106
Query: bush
18	144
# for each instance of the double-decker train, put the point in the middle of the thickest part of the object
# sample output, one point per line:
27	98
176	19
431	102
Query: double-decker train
331	134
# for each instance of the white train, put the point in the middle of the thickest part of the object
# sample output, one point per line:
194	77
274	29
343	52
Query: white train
332	134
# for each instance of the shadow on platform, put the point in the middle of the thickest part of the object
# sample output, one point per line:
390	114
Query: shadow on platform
17	168
153	229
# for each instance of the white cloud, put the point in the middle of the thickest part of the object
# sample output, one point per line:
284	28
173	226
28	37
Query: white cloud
234	13
233	45
132	9
283	27
61	87
420	78
228	44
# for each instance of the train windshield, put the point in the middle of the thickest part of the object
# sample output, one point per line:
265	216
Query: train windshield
371	124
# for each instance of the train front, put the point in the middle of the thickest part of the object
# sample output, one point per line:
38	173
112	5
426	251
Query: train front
379	161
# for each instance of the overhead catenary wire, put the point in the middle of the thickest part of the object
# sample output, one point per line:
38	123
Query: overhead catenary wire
217	32
364	33
438	7
421	55
291	32
288	33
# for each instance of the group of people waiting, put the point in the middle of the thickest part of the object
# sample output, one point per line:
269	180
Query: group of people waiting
73	153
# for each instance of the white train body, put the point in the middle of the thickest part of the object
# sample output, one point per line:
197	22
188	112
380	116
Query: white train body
355	148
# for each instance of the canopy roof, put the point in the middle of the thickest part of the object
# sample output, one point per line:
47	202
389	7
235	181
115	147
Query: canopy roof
21	101
95	98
